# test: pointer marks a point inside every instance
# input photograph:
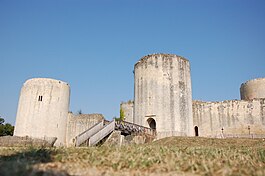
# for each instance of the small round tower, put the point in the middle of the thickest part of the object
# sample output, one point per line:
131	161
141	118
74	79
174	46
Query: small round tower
253	89
162	94
42	109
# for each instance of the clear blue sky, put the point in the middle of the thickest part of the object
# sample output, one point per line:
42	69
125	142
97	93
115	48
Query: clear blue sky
93	45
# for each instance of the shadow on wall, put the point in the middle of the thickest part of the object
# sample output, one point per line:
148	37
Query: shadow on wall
22	162
196	131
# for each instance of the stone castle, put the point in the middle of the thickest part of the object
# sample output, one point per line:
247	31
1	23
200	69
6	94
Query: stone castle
43	112
162	101
162	94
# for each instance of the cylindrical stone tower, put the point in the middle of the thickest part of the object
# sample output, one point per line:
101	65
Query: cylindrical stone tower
42	109
253	89
162	94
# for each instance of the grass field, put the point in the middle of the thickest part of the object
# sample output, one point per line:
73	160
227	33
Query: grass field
169	156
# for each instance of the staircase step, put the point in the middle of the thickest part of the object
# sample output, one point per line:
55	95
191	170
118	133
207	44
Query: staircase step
106	130
81	138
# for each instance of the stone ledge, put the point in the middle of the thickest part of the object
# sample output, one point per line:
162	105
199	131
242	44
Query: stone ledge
15	141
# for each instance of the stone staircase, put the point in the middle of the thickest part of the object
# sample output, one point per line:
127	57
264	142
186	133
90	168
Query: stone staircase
99	131
95	134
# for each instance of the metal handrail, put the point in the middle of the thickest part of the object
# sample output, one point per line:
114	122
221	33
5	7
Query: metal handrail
136	128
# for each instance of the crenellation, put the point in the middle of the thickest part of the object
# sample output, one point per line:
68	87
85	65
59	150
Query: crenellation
253	89
233	116
162	101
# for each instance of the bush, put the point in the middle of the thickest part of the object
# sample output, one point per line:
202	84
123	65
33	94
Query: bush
6	129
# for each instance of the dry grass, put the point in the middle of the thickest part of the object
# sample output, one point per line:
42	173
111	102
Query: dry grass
170	156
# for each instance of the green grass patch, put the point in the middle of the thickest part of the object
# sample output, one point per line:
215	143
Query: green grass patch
199	156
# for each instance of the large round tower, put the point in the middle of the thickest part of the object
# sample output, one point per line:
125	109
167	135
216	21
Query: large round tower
162	94
42	109
253	89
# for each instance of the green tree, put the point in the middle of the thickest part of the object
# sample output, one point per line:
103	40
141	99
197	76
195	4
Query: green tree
6	129
2	121
122	115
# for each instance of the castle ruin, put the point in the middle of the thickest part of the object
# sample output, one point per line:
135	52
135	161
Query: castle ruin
233	118
162	103
43	112
161	94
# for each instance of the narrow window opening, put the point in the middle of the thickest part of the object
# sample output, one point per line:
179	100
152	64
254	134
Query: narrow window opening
196	131
40	98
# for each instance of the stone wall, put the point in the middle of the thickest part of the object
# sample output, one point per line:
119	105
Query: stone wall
42	109
79	123
127	108
15	141
162	94
236	118
117	139
253	89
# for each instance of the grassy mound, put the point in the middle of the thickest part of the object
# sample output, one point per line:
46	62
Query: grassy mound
169	156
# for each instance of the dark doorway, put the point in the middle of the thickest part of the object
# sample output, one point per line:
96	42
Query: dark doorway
196	131
152	123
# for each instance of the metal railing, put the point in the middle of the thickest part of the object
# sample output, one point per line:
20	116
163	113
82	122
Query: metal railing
132	128
100	130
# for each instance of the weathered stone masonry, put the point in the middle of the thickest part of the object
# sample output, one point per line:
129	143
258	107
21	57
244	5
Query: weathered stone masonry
162	94
79	123
127	108
43	112
153	99
253	89
162	101
235	118
43	109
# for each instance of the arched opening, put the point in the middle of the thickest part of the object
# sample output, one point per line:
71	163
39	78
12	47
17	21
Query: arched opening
196	131
152	123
